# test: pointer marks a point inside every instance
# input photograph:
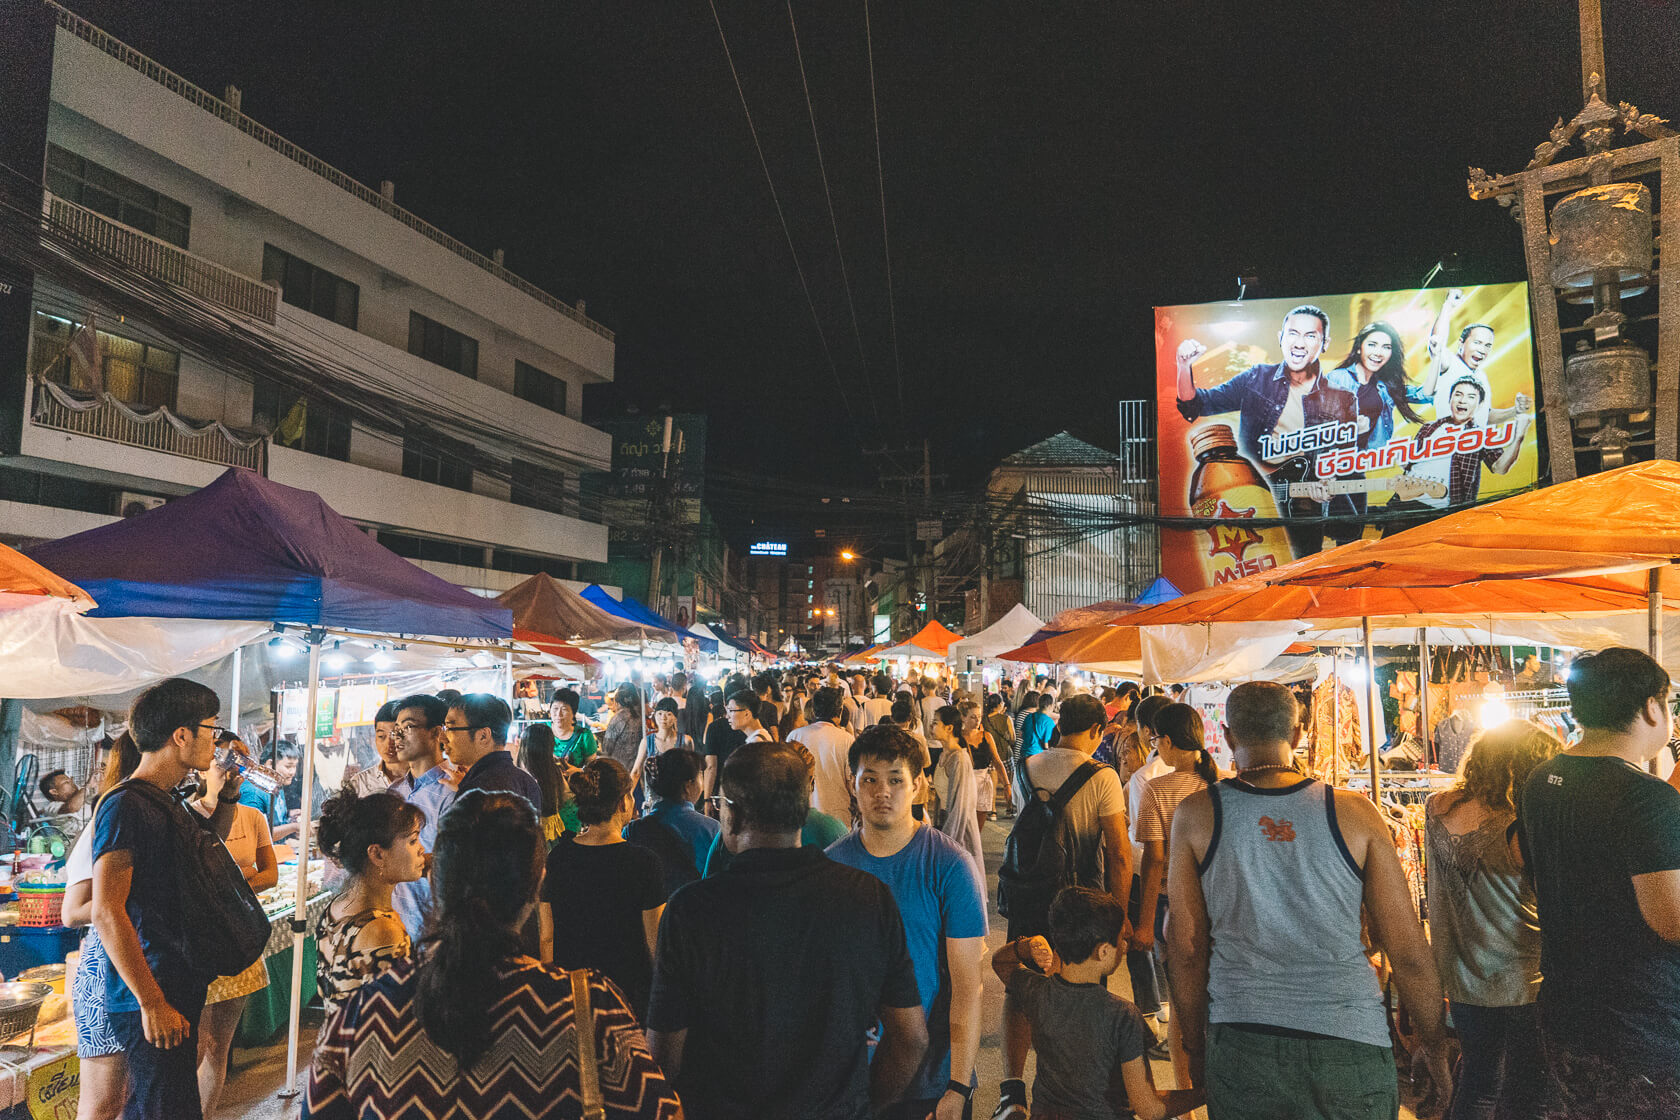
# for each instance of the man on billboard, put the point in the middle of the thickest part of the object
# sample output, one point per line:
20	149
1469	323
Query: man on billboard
1452	470
1446	368
1287	413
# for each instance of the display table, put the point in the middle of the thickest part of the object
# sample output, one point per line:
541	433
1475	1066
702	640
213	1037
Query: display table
40	1082
266	1011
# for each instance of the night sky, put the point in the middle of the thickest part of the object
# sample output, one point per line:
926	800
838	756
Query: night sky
1052	171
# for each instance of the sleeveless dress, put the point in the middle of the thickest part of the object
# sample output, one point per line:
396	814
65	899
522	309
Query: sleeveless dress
340	968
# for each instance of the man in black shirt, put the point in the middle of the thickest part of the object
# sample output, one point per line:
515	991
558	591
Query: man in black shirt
1602	839
769	976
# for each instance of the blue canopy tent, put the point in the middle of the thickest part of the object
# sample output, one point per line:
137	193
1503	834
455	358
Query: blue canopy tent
1161	591
249	549
632	611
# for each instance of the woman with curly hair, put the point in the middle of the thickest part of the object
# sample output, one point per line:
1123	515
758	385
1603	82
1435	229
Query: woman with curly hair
1484	925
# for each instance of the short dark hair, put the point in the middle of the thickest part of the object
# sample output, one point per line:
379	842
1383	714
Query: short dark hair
449	696
746	699
827	703
679	682
567	697
485	710
432	707
882	685
667	704
168	706
1309	309
1082	919
1148	708
47	780
1470	381
768	787
387	712
675	770
1045	699
1465	333
885	743
902	712
1609	689
1262	712
1081	712
288	748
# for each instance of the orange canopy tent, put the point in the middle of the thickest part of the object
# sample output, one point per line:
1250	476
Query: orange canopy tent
929	643
19	575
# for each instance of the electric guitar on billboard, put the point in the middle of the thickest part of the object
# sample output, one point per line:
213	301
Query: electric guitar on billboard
1293	478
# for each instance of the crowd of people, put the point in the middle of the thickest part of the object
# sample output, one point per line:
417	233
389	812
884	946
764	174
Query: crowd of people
769	900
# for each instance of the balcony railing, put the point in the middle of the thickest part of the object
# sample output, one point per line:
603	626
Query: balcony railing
158	258
104	417
214	105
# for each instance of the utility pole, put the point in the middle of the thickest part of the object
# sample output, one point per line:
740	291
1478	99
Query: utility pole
661	515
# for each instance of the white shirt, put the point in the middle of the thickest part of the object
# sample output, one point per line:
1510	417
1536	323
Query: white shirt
930	705
828	744
79	867
1134	801
875	709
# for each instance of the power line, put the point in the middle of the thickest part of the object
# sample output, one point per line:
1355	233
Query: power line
833	223
781	217
881	186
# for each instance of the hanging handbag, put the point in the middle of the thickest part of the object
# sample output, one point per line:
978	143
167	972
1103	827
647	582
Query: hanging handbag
229	930
583	1024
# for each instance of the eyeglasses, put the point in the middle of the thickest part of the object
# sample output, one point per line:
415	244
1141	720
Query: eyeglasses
716	801
469	728
408	726
215	728
735	711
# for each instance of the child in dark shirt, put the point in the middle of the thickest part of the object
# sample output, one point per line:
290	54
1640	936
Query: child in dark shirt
1092	1045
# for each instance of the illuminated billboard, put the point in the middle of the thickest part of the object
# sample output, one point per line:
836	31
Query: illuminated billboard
1287	425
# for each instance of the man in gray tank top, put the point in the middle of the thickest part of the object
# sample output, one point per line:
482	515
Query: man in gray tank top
1281	1012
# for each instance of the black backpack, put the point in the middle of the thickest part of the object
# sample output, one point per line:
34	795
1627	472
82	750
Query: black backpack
1036	860
229	931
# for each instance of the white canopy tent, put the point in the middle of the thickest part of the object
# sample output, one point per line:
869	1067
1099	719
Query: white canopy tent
1012	630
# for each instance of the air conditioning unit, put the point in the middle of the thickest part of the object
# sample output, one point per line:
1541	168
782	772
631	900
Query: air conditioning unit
129	504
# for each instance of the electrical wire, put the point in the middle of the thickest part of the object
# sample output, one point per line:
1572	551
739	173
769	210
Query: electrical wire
833	222
775	198
881	186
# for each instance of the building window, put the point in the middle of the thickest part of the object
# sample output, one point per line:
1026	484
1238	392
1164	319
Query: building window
538	487
296	421
132	371
528	564
438	459
118	197
443	345
544	389
430	548
314	289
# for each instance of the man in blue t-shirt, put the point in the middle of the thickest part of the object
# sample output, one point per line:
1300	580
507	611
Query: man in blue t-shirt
941	897
155	989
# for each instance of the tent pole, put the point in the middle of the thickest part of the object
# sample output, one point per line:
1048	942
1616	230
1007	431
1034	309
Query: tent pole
300	904
1371	703
1424	671
233	699
1653	629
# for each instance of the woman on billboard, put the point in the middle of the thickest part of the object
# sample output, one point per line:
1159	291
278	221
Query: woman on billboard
1375	372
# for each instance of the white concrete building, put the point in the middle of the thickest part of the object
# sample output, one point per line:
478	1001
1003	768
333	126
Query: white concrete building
477	478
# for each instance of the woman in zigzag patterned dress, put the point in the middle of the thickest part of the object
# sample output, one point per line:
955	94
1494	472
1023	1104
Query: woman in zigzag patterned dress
477	1028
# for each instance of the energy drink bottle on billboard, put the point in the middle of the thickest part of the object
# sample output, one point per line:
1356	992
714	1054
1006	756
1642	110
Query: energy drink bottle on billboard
1226	488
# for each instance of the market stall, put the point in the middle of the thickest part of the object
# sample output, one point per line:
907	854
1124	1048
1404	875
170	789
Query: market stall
249	550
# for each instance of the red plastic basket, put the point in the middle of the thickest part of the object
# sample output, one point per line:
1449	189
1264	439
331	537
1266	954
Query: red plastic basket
40	906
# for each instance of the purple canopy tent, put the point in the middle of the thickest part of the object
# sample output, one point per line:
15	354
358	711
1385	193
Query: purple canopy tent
250	549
